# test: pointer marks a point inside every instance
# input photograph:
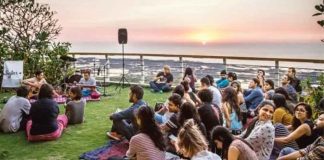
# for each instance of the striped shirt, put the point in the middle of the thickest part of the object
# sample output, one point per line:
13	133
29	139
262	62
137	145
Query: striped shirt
142	147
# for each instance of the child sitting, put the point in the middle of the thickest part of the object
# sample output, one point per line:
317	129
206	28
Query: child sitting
74	109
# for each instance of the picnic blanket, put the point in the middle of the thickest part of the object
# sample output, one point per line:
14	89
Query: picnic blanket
111	149
62	99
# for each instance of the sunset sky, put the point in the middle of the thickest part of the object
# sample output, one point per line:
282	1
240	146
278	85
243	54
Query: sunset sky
187	22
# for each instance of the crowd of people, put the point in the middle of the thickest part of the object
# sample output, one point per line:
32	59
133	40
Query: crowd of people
220	120
217	120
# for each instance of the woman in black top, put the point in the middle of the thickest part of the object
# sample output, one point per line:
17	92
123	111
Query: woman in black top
302	127
45	123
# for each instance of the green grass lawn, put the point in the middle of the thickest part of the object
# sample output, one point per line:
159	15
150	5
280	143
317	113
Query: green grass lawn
76	139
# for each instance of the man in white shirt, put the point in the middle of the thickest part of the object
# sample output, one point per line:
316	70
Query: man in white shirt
217	97
88	84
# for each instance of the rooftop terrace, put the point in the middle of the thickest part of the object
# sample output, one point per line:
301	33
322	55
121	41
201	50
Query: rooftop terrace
76	139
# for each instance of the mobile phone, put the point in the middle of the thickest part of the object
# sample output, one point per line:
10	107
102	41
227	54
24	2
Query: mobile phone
172	137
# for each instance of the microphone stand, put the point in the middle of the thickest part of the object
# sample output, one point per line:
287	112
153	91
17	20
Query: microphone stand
104	81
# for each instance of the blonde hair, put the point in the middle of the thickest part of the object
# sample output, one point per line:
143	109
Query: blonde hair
190	139
166	67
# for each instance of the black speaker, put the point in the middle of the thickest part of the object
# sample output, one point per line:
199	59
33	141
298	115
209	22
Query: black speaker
122	36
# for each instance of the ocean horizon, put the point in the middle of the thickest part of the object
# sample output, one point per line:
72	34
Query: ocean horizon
314	50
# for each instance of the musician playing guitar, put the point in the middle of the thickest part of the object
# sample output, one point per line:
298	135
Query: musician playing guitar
35	83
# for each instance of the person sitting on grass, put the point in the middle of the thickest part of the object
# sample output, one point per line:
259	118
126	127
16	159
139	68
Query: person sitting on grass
88	85
209	113
268	89
253	97
173	105
314	151
74	109
189	96
14	115
163	81
282	114
46	123
171	128
231	76
206	83
260	77
35	84
223	81
191	78
232	111
123	120
302	127
192	144
260	132
295	82
285	81
232	148
148	143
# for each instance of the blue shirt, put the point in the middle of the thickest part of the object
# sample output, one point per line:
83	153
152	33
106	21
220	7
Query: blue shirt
222	83
253	98
128	114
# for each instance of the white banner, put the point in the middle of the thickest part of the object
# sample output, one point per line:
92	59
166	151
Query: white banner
12	74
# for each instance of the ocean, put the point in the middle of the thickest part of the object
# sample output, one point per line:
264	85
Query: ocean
203	66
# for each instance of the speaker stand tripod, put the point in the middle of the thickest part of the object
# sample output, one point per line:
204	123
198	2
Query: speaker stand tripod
123	79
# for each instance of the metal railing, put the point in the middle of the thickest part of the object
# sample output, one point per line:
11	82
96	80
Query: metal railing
142	67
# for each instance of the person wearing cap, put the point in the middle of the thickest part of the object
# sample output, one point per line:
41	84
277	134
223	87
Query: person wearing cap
163	81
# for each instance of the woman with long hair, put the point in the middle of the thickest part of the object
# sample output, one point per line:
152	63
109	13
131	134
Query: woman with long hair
283	114
190	77
268	89
192	144
189	96
302	126
291	104
237	87
232	148
232	112
261	133
148	143
172	127
189	111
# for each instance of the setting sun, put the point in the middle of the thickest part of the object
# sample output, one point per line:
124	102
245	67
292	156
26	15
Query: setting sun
204	37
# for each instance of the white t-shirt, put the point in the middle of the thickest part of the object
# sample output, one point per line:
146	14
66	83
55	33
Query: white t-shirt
217	97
